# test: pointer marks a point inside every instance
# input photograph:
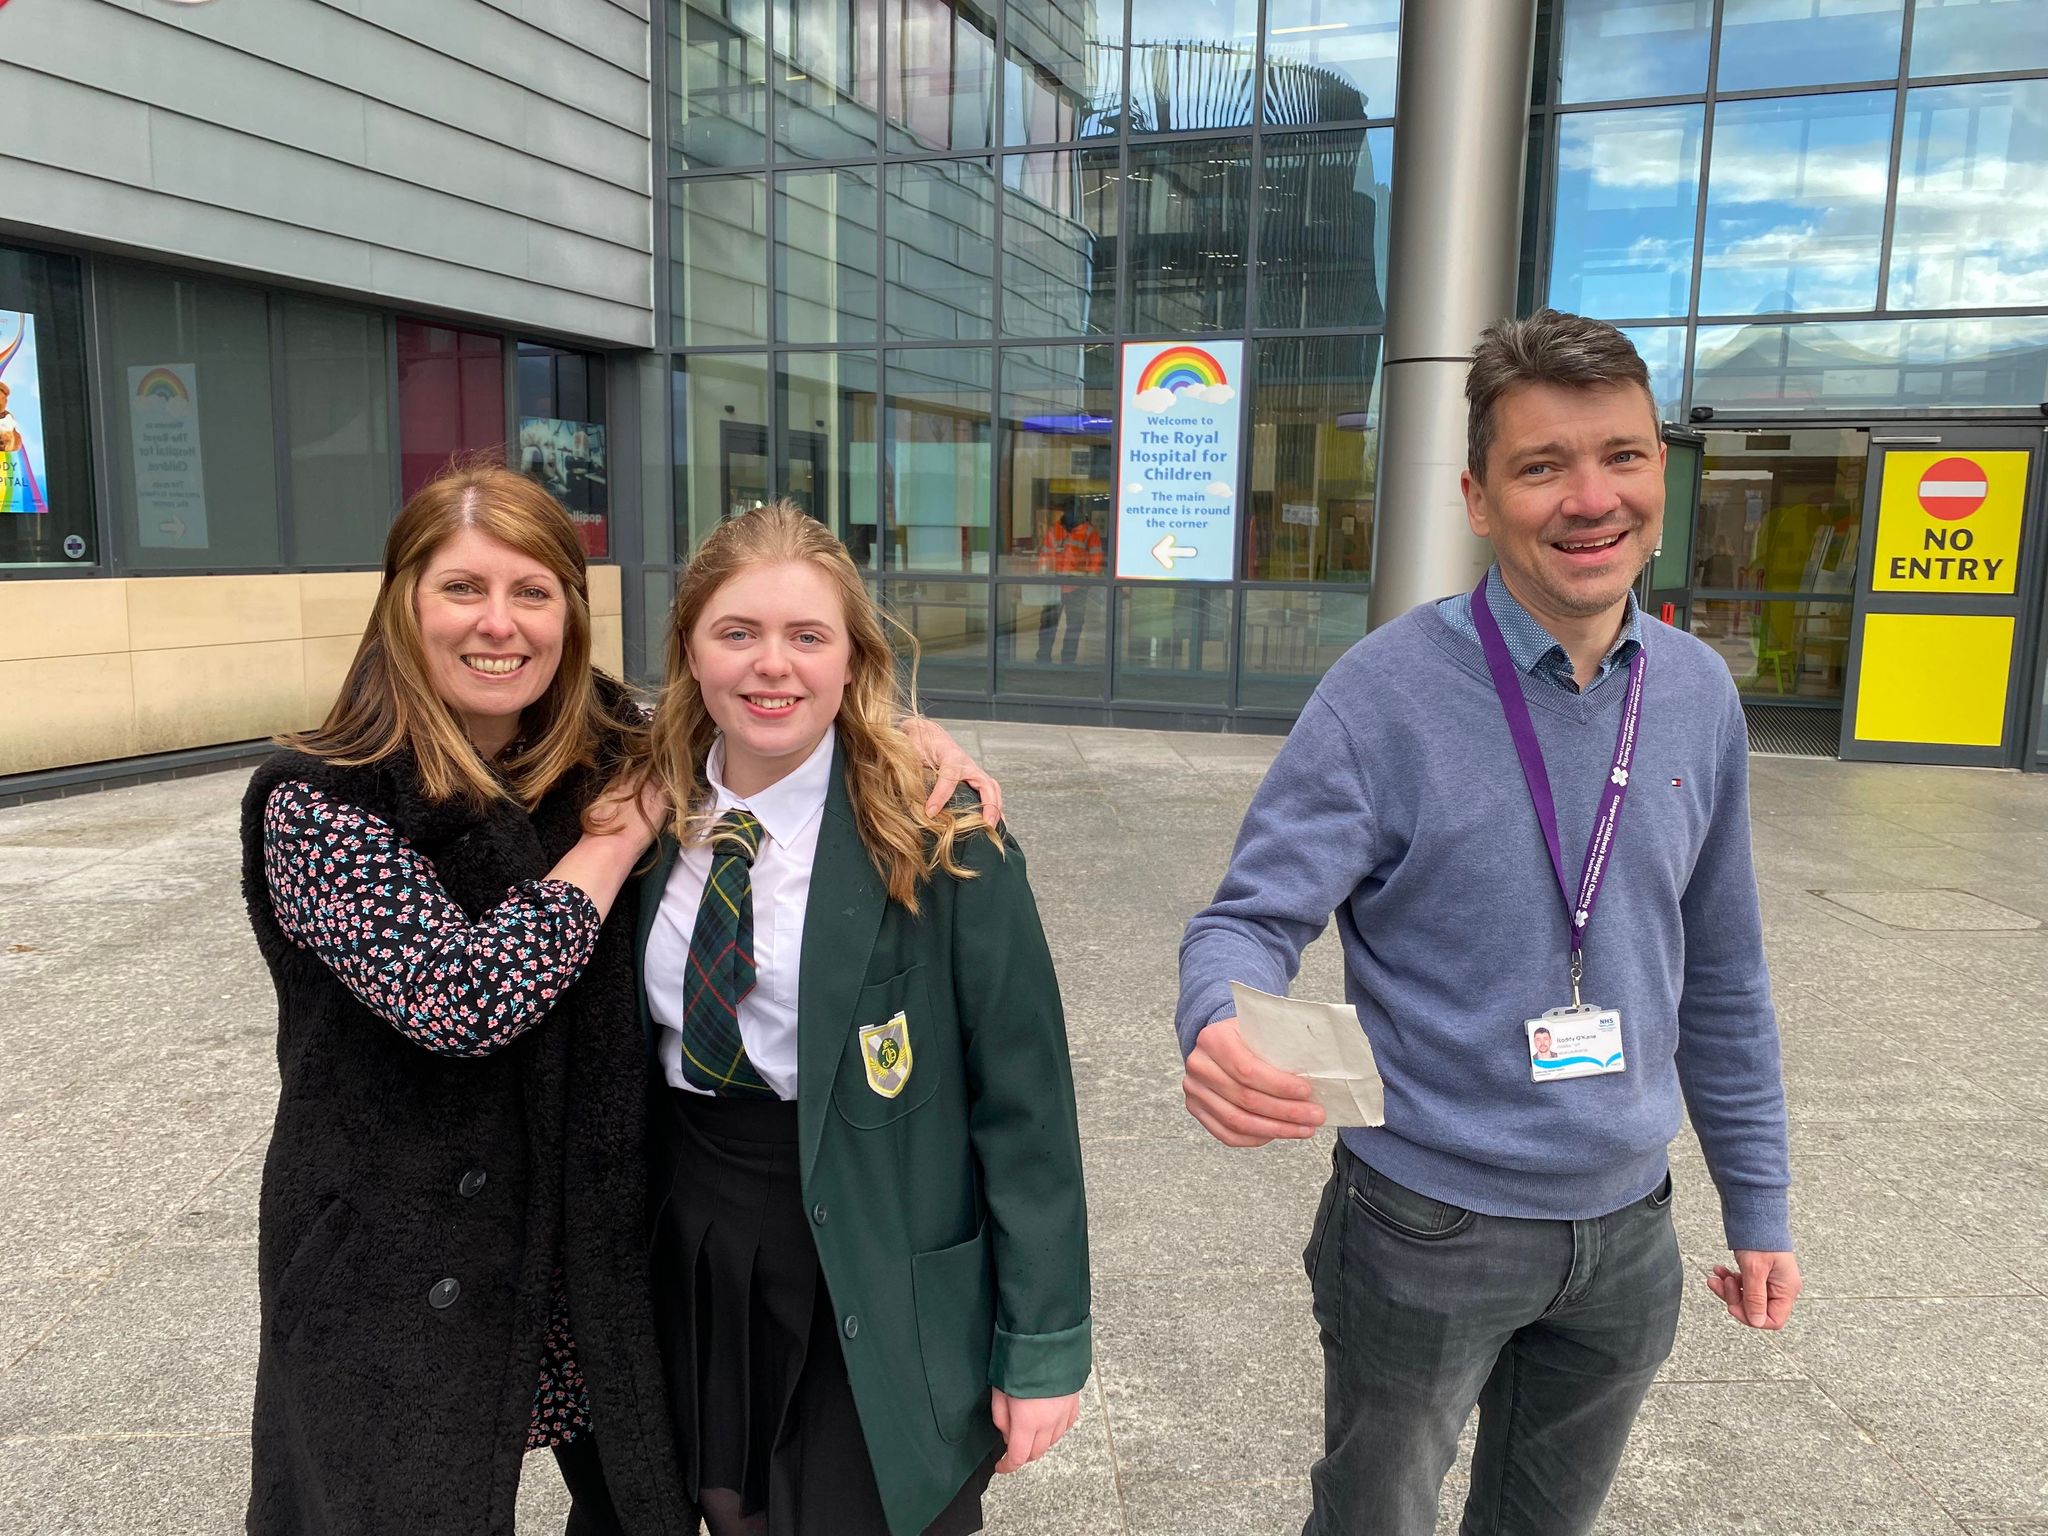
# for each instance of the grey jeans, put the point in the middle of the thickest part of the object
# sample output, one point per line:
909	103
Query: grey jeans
1554	1329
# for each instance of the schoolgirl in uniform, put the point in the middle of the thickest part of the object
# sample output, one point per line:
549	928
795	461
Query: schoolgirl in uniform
870	1238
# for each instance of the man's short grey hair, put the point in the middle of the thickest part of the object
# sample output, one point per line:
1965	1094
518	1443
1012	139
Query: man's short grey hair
1548	347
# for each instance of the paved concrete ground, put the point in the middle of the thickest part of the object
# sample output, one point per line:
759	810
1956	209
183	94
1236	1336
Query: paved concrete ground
1909	1397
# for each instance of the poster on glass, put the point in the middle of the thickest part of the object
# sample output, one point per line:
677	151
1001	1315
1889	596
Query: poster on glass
22	459
568	458
1177	451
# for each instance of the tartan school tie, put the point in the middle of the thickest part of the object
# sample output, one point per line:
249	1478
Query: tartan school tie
722	966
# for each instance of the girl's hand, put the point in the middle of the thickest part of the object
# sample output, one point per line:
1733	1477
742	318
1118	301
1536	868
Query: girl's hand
1031	1426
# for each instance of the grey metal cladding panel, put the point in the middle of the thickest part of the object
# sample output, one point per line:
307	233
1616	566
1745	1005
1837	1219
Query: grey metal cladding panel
561	258
517	303
136	56
598	27
414	149
73	127
520	53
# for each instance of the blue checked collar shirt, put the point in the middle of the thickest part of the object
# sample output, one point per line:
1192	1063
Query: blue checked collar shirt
1530	646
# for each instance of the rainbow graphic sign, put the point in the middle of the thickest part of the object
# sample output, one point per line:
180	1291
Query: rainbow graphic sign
21	423
1177	469
169	469
161	384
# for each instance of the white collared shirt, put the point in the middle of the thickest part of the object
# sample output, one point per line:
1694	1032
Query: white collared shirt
789	811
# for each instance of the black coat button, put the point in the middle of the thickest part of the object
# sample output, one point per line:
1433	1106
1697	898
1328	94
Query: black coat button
818	1213
472	1181
444	1293
853	1327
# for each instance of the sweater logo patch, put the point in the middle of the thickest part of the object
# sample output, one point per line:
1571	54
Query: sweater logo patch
885	1052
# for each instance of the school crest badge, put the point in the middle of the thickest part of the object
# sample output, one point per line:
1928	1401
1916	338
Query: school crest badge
885	1052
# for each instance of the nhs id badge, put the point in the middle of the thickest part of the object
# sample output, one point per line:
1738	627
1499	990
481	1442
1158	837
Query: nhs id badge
1582	1041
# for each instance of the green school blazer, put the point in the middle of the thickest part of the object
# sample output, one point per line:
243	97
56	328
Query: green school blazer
945	1199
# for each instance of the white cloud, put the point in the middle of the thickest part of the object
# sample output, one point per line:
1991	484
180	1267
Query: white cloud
1154	400
1220	488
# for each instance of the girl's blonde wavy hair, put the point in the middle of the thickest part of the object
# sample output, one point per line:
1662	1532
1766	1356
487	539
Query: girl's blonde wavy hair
886	781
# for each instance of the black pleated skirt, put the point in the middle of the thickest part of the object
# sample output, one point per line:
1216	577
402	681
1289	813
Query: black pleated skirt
764	1415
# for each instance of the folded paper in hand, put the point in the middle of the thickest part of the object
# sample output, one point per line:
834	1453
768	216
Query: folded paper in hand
1321	1041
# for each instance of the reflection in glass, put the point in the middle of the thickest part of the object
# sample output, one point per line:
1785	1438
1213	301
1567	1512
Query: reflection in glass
942	74
1628	188
560	408
1190	207
1315	459
1864	364
941	251
55	436
1330	61
451	398
1064	76
950	621
1059	242
1173	644
1662	348
1770	43
1795	203
828	77
1971	230
1791	650
1779	511
1057	505
718	407
717	86
1967	37
1291	638
337	399
825	459
935	470
1615	50
825	255
718	261
1323	201
1049	638
1193	64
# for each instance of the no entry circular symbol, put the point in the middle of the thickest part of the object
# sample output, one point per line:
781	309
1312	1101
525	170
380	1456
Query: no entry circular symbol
1952	489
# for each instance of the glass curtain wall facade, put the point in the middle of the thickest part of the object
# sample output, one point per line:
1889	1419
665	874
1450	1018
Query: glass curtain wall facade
905	241
1810	217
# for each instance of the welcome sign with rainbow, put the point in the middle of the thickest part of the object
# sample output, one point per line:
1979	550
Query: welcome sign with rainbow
1182	368
1177	472
162	386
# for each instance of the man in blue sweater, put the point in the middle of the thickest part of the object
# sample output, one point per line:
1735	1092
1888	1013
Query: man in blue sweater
1505	1238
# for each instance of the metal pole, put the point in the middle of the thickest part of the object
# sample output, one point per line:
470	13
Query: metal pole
1459	139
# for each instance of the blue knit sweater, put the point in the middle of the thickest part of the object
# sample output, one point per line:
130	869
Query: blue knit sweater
1397	803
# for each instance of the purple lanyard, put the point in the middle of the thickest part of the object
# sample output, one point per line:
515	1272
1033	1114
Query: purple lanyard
1507	683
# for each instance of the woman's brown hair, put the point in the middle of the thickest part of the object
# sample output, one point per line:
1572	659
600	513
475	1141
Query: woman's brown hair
387	702
886	780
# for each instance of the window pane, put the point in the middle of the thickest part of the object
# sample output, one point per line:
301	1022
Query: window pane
1795	204
719	419
1662	348
1331	60
1628	191
1847	365
1966	37
45	462
950	620
451	398
1174	644
717	83
1614	50
1064	76
827	450
942	75
195	477
1767	43
828	77
1059	242
1049	638
1058	509
1190	207
1323	227
1780	511
935	478
337	396
1290	640
1315	452
718	261
1193	64
562	427
941	255
825	255
1972	223
1782	649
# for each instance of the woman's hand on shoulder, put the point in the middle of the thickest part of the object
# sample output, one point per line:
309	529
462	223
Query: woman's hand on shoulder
1031	1426
952	767
633	807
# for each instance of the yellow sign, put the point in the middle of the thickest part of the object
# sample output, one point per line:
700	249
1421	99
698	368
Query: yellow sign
1950	522
1938	678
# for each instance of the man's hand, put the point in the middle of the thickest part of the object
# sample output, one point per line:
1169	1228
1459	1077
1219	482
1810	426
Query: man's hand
1761	1292
1241	1100
1031	1426
953	768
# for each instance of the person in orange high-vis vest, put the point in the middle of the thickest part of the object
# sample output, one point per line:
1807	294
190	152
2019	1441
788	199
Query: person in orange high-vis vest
1071	546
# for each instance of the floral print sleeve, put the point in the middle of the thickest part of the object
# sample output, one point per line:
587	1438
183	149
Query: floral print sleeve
346	886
